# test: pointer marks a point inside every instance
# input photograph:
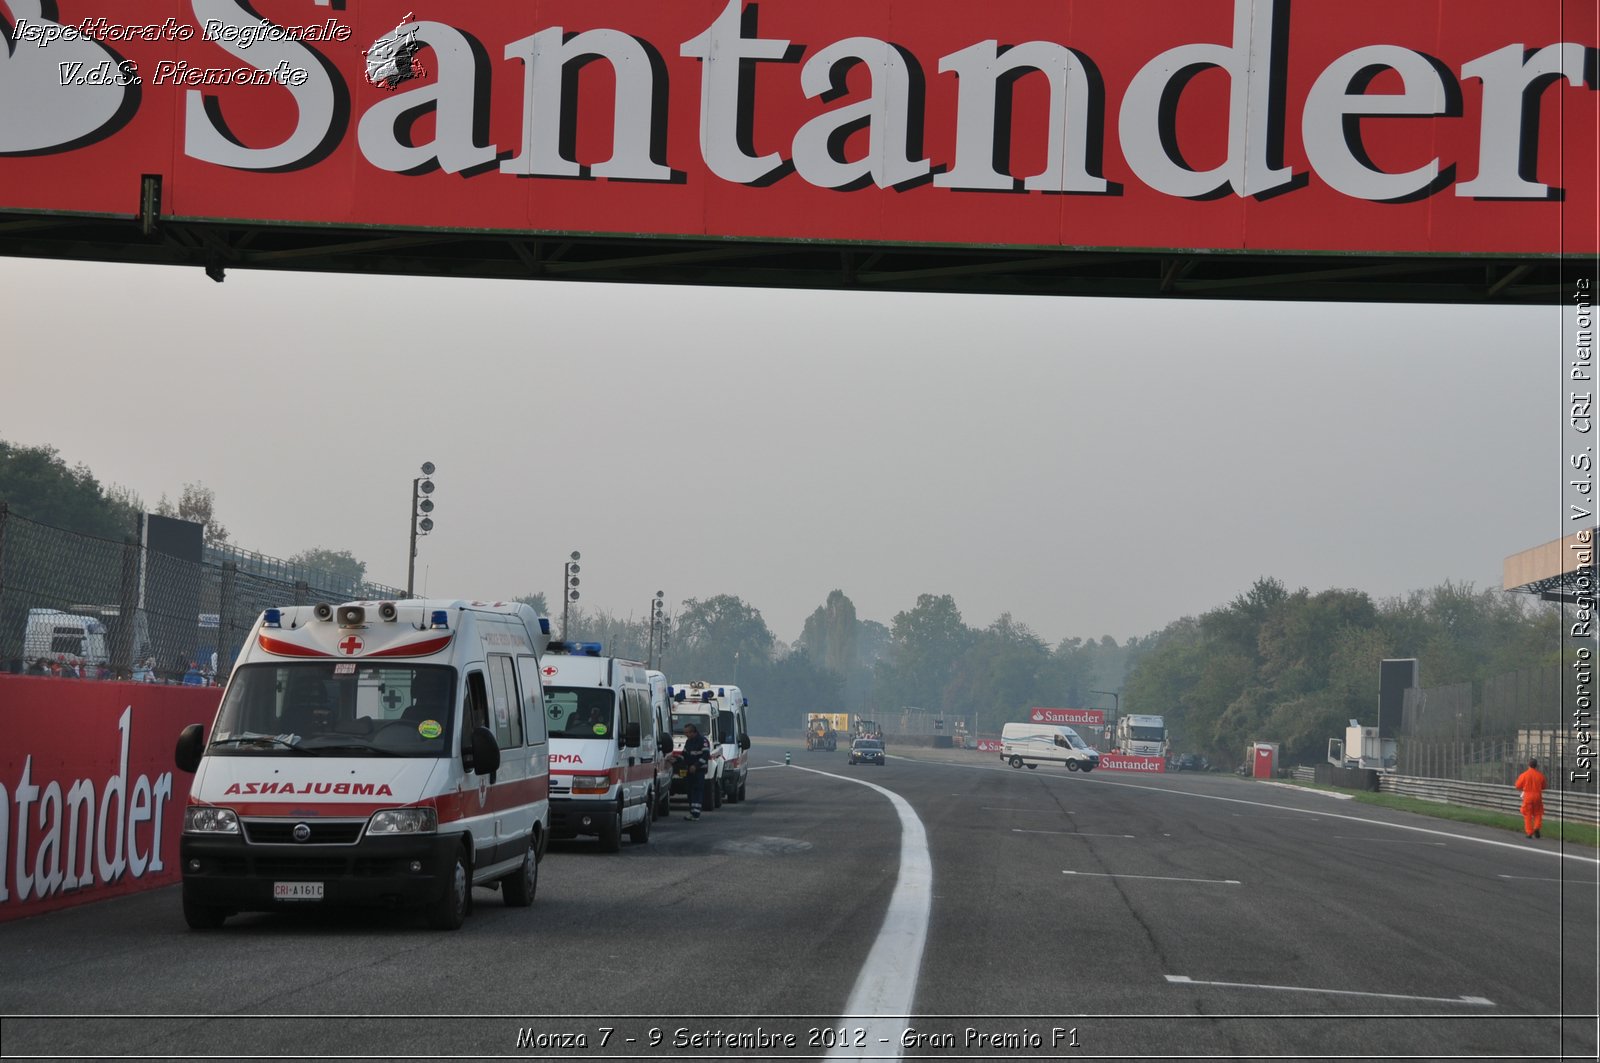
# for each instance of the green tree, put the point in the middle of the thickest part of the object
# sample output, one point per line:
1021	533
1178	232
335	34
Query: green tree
335	569
35	483
830	634
720	639
198	503
535	599
924	644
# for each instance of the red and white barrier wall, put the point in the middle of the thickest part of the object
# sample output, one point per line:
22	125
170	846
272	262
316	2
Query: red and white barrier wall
90	802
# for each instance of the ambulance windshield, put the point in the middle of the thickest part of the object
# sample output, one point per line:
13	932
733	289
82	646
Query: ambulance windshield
581	712
337	708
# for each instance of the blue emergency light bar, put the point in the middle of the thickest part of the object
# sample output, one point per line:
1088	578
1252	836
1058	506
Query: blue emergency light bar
576	649
441	619
544	625
272	618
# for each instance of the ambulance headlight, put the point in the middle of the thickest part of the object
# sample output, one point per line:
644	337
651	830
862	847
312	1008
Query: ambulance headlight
202	819
591	784
404	821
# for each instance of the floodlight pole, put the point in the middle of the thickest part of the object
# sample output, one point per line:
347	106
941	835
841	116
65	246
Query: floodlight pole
411	558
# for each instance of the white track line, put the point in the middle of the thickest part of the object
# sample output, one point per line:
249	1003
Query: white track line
1531	878
1156	878
1081	781
1480	1002
887	985
1068	833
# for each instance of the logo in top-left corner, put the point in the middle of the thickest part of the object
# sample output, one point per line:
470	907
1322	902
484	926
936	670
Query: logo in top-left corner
60	89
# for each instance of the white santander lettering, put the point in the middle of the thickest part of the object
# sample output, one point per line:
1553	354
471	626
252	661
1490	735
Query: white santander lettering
1337	102
58	836
819	145
453	99
206	135
544	58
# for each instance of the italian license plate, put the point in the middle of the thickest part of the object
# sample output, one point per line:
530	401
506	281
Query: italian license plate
297	891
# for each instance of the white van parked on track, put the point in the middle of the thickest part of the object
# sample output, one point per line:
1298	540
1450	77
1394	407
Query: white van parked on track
604	749
372	753
1033	744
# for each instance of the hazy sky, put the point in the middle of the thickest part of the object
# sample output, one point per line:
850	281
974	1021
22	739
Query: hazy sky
1091	466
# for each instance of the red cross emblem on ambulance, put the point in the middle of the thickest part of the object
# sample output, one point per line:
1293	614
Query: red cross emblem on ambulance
548	669
351	645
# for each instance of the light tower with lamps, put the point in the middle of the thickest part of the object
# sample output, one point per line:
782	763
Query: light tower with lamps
569	588
421	522
658	613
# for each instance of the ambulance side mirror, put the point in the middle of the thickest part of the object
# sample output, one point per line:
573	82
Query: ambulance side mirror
664	742
744	741
630	735
191	744
485	752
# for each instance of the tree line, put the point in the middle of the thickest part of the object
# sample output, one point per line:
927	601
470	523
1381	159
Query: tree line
1271	664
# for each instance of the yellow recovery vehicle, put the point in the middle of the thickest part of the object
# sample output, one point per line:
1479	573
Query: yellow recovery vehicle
823	729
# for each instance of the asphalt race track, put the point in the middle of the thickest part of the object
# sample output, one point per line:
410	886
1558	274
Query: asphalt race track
1056	915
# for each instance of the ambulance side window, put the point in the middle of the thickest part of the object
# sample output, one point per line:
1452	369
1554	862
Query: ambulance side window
477	714
507	720
533	700
637	712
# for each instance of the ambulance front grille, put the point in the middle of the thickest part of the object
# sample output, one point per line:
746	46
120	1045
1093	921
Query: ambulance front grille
323	832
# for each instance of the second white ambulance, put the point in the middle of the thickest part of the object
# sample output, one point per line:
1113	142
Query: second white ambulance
604	749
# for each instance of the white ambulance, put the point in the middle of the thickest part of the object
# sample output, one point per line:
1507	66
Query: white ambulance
717	710
604	748
371	753
1033	744
661	718
734	736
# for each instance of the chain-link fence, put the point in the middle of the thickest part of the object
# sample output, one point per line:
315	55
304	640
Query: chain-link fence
77	604
1452	732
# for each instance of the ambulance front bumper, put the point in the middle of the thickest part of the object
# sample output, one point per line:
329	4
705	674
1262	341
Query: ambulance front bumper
568	815
394	871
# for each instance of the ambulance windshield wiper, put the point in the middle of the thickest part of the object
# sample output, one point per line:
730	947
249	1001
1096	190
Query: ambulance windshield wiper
240	740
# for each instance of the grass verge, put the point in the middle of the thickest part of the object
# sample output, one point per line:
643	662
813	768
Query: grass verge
1573	832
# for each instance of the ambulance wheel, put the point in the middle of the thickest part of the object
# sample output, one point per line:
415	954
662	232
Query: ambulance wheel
1032	766
450	910
1072	765
1016	762
639	833
743	783
716	795
203	916
519	887
663	804
611	833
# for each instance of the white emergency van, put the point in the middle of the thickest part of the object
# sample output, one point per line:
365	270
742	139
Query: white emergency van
1032	744
718	710
604	745
661	719
696	703
66	638
733	735
372	753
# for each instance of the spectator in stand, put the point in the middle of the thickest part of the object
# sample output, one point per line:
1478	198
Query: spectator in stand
194	677
146	672
38	667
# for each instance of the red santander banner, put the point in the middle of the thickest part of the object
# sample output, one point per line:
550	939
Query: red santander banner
1122	762
1459	127
91	805
1070	717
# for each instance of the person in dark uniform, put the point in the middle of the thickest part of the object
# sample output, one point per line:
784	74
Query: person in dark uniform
696	757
